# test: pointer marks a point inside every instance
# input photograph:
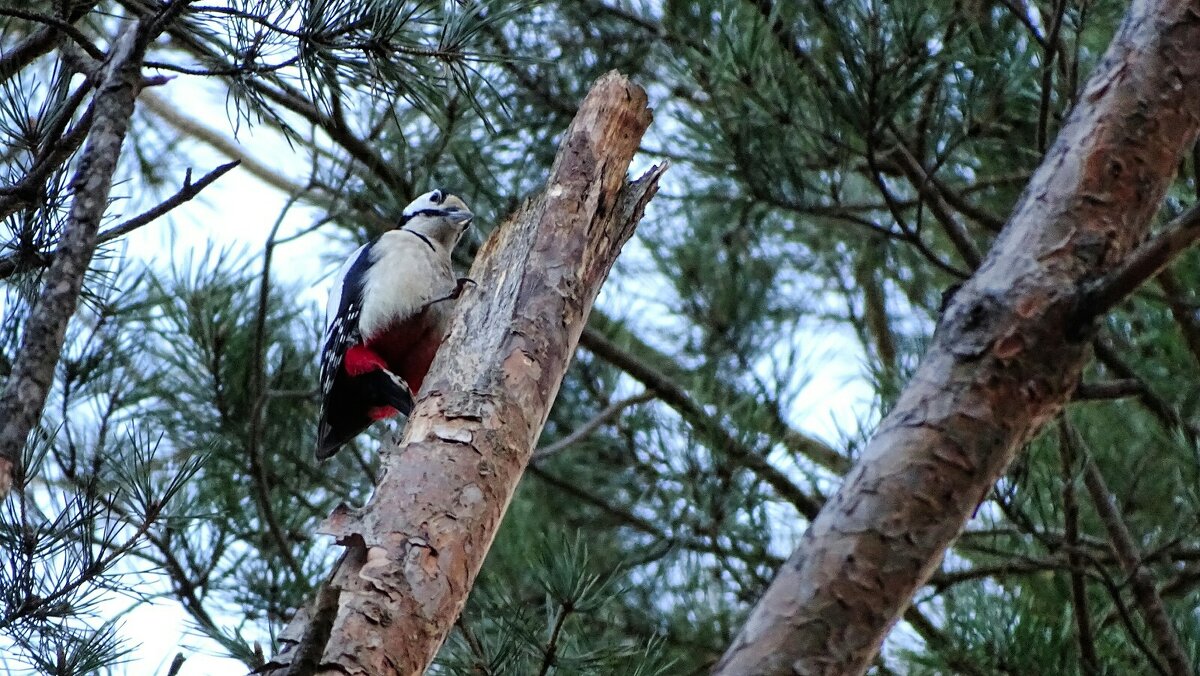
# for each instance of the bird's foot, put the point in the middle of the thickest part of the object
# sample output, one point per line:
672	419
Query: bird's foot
461	286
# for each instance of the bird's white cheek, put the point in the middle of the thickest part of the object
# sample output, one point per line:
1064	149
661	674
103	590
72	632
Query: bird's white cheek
399	285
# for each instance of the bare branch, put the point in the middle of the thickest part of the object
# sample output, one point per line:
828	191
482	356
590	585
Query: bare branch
193	128
15	263
583	431
1144	590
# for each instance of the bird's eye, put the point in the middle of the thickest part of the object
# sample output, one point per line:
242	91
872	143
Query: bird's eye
437	197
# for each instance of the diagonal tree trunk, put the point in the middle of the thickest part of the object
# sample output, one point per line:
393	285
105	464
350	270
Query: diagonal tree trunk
25	391
1004	360
413	552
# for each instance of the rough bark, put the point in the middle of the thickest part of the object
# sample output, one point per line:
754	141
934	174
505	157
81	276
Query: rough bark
25	390
413	552
1004	359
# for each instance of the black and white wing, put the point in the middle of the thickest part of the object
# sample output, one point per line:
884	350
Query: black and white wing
341	320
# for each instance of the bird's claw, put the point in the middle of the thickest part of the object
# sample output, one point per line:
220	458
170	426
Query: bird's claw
461	286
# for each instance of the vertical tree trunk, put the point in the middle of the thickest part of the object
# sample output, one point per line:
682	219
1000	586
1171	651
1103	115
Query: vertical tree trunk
413	552
1003	361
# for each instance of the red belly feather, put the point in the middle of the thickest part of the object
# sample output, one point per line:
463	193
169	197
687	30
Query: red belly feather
408	349
362	359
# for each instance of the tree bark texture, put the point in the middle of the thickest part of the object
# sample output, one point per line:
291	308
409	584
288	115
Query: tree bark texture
413	552
1004	359
29	383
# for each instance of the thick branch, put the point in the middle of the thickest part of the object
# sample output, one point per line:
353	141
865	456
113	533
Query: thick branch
1144	263
1004	360
413	552
25	391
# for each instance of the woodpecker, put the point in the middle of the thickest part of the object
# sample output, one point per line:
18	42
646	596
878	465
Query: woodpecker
387	315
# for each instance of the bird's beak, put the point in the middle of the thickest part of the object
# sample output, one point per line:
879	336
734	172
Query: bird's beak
460	216
457	211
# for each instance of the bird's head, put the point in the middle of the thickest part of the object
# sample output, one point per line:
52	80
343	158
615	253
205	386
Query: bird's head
438	215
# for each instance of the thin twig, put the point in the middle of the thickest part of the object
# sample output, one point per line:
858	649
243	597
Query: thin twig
1122	613
920	179
14	263
551	651
60	146
1050	51
1089	661
481	665
611	411
59	25
1144	591
38	43
258	398
1151	400
677	398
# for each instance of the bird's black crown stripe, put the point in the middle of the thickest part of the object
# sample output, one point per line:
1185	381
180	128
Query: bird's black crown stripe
425	212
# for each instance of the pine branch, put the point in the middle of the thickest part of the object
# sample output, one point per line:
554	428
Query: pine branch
1144	590
56	25
1144	263
583	431
1088	659
678	398
1183	316
15	263
922	180
27	387
40	42
60	145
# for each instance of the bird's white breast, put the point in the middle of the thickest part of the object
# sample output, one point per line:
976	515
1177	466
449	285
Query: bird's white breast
405	274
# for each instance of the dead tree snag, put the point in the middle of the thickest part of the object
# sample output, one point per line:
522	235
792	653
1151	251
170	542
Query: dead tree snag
413	552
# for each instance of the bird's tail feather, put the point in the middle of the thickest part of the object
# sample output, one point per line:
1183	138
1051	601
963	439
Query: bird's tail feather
378	388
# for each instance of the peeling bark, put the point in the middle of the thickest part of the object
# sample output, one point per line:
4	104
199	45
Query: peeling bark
1003	362
413	552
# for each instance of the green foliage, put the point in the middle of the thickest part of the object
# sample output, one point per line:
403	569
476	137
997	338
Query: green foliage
836	169
558	623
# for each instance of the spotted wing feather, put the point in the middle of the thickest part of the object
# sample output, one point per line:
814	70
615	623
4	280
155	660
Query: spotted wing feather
341	324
